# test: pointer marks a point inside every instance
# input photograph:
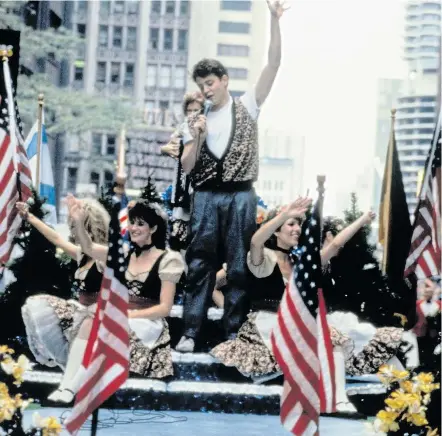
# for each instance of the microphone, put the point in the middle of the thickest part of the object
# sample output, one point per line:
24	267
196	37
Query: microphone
207	106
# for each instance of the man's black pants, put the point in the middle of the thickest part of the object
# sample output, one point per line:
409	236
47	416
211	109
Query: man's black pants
220	230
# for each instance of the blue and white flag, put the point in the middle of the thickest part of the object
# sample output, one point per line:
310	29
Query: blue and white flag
46	189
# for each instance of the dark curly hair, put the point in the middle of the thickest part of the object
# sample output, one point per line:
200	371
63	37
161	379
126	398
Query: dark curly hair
333	225
206	67
152	214
272	242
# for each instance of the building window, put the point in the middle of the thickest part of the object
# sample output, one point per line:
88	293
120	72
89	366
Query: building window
108	178
179	78
131	38
96	143
170	7
428	99
132	7
129	75
238	73
81	30
103	36
82	5
78	73
151	79
115	72
182	40
236	5
164	105
168	39
154	39
118	7
165	73
150	104
156	7
94	178
110	145
233	27
117	37
184	7
233	50
236	93
101	72
105	7
71	184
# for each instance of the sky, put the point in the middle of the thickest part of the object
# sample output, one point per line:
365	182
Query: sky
333	53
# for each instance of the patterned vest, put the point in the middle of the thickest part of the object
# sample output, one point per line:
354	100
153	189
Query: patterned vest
240	161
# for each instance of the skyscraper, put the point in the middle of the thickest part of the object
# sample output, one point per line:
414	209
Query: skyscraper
235	33
417	105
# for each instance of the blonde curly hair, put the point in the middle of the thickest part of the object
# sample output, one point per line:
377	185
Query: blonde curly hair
96	221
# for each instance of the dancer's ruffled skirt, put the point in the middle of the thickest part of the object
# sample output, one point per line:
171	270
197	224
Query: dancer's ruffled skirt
365	347
52	323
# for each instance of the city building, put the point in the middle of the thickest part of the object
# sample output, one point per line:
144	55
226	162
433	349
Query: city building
235	33
136	49
417	105
281	164
144	50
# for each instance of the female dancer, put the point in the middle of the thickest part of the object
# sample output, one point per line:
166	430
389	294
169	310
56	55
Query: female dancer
193	104
271	261
151	277
50	320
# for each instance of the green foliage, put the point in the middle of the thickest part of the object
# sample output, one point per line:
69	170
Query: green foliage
150	192
38	270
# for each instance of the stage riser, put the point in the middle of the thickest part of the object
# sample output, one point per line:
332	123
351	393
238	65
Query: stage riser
368	404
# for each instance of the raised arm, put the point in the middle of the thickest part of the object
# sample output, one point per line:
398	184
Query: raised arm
50	234
93	250
268	75
332	249
296	209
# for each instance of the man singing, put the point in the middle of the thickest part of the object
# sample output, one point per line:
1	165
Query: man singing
221	156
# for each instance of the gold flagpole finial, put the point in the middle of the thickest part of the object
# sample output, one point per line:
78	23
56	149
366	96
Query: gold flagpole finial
6	51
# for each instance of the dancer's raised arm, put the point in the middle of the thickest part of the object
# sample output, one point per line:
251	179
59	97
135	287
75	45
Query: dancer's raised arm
50	234
296	209
332	245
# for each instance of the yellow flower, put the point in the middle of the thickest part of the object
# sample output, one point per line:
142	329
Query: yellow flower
387	416
400	400
50	425
389	374
432	432
424	378
408	386
4	349
16	369
417	419
400	375
7	408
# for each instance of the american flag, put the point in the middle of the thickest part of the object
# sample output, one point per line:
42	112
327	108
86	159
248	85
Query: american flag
106	359
15	173
425	253
123	216
301	340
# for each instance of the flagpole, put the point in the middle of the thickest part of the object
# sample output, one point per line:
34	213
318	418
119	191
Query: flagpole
121	175
386	216
39	139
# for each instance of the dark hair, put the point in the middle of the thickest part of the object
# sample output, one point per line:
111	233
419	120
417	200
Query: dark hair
206	67
272	242
333	225
192	97
152	214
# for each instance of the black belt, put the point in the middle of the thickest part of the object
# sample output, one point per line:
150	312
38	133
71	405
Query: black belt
213	186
